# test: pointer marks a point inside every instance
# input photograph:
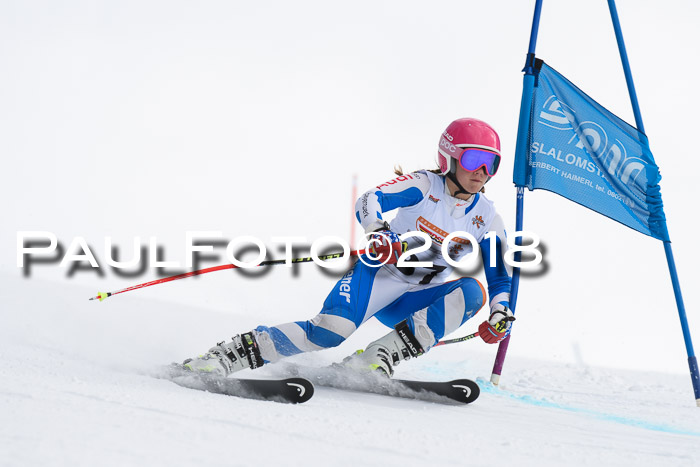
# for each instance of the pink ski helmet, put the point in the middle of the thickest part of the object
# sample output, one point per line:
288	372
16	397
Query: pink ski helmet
472	143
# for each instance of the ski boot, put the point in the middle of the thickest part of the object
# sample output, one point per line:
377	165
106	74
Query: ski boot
385	353
226	358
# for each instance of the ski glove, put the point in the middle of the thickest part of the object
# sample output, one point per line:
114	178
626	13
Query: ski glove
498	325
385	244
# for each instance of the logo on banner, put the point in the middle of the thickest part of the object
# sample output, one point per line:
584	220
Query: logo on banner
612	156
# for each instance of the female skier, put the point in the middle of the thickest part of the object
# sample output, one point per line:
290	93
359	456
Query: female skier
415	302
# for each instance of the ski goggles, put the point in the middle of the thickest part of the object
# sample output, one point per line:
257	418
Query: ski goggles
472	158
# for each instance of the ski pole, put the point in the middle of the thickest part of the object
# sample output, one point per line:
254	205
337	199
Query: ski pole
500	327
102	295
459	339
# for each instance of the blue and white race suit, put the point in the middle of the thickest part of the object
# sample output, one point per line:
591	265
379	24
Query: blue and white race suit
432	307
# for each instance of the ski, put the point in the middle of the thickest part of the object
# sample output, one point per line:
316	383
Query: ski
458	391
294	390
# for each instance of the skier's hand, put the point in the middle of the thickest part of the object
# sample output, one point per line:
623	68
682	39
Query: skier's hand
385	246
498	325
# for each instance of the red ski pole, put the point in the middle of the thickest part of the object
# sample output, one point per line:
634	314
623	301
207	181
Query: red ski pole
102	295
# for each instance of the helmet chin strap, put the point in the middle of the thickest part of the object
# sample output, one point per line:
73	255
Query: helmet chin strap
460	189
452	175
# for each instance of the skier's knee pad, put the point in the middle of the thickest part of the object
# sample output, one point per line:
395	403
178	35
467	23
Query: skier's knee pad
474	295
466	297
329	330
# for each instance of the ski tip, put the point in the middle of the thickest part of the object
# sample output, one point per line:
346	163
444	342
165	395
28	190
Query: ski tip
465	390
301	388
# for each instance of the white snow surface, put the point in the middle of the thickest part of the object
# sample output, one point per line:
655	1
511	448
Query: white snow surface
76	389
130	120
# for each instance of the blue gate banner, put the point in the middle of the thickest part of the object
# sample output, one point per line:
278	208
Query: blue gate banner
583	152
